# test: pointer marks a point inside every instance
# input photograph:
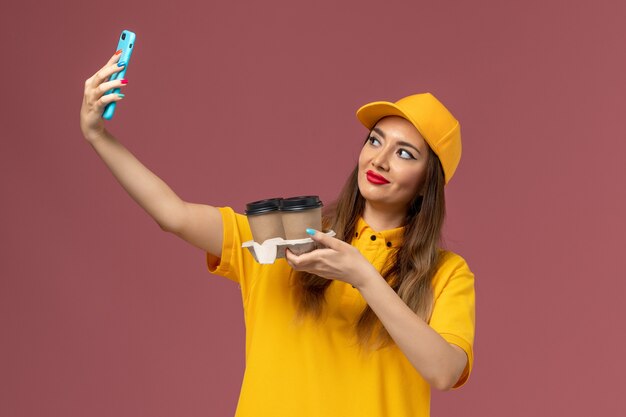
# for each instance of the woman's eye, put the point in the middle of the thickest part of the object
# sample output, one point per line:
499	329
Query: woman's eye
405	154
373	140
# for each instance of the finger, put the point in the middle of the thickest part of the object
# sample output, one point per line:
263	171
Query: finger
290	257
110	63
114	58
313	259
298	261
109	85
106	99
104	73
325	240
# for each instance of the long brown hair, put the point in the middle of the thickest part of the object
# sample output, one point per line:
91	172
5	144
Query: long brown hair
409	269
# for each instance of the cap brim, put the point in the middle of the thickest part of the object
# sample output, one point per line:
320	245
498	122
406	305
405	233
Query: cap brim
371	113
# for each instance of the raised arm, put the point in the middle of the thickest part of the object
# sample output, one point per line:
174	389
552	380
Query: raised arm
200	225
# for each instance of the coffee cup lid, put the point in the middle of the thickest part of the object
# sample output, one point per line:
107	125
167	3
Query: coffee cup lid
263	206
305	202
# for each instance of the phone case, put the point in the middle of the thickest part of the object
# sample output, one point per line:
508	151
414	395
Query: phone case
126	44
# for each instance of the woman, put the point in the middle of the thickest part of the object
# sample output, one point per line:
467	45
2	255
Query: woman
364	326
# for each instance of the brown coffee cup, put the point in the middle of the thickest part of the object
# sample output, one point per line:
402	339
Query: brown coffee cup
265	219
300	213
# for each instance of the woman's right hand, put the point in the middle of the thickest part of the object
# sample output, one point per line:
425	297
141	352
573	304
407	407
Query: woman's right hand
91	121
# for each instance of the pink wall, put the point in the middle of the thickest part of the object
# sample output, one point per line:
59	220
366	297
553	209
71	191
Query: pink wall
101	313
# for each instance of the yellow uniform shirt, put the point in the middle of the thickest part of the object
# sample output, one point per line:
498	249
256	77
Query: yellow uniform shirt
315	368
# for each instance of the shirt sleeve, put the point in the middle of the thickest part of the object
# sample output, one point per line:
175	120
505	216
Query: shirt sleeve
453	315
235	262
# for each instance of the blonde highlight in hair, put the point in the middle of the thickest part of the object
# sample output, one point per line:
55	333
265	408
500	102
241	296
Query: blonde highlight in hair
409	269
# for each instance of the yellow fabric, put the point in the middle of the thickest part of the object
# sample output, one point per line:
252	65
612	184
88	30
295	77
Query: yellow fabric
316	368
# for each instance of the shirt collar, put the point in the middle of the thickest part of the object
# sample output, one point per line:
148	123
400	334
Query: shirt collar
364	231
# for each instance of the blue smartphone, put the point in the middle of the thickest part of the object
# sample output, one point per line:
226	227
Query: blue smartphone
126	44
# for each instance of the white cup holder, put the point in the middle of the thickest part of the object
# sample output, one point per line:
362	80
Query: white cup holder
272	249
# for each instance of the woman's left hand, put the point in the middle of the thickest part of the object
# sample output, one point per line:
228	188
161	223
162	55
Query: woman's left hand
338	260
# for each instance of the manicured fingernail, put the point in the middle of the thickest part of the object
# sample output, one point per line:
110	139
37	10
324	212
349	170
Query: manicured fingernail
121	64
124	81
121	95
310	231
119	51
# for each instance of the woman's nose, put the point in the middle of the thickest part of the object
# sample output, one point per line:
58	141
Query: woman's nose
381	160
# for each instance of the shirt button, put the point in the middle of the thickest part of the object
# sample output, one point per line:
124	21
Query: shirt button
373	237
388	244
357	234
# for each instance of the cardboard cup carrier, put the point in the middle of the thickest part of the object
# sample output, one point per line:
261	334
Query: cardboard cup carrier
280	223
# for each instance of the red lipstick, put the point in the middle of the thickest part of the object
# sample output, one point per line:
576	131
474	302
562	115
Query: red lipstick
375	178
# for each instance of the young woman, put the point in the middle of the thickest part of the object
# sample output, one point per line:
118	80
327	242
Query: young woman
364	326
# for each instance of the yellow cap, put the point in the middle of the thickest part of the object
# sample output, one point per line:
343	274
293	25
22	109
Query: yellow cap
435	123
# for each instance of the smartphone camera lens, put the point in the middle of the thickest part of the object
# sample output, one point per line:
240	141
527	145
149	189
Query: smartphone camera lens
123	36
